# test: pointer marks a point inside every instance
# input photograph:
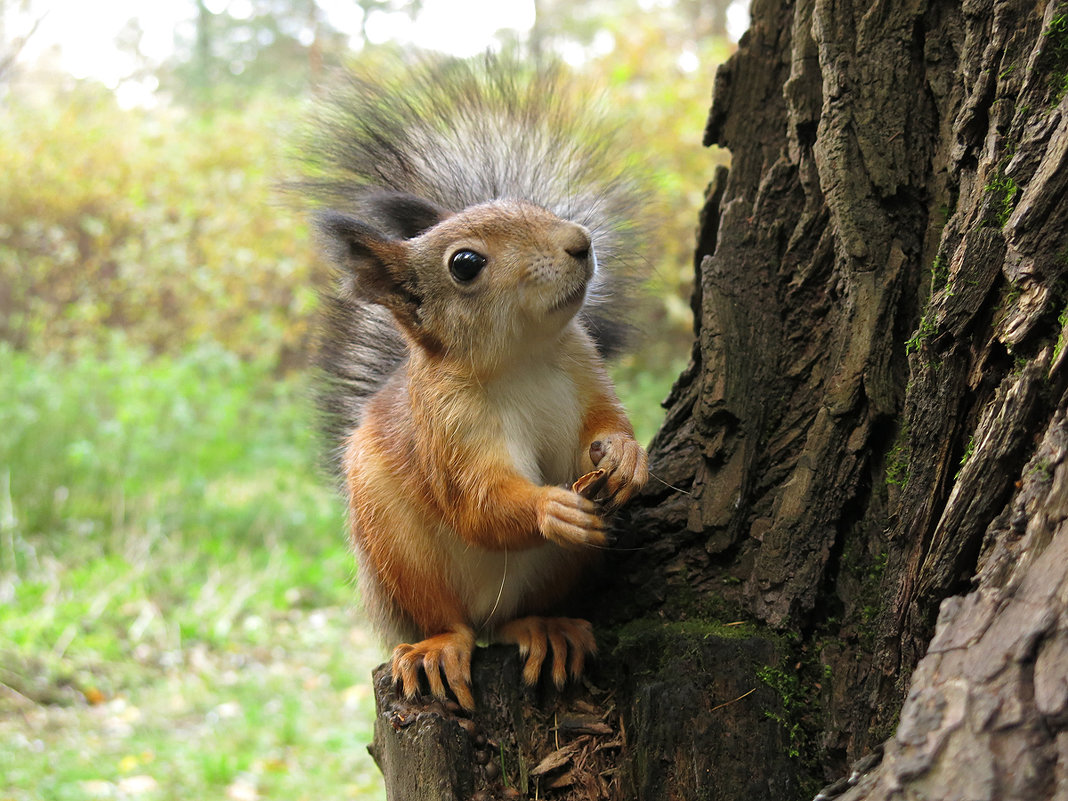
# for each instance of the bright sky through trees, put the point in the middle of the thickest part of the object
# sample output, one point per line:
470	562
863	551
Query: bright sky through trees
81	38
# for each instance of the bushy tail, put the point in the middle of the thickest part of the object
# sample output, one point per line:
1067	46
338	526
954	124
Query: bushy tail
458	133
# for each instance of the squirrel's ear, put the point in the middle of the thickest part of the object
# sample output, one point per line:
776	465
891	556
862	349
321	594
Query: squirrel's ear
377	262
402	214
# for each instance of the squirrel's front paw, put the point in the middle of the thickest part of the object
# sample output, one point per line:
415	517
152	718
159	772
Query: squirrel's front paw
622	470
568	519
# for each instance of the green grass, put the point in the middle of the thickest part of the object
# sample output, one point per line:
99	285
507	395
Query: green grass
176	606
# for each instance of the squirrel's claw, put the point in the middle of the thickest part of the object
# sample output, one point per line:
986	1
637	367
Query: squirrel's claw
568	519
444	654
569	639
622	470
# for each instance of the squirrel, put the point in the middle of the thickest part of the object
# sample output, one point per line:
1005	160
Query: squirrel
480	233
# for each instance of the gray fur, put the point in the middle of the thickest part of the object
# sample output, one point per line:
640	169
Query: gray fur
399	152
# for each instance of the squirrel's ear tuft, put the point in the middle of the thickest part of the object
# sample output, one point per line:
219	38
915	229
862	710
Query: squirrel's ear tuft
378	265
348	240
402	214
376	262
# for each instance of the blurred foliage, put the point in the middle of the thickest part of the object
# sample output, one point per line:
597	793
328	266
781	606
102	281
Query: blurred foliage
165	224
277	46
175	598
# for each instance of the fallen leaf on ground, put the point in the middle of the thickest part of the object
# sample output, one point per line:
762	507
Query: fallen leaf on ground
557	759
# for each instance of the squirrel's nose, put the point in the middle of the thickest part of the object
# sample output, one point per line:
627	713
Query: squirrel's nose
580	253
577	243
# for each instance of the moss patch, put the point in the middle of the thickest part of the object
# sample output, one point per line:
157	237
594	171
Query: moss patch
1055	54
683	639
897	460
1062	319
1003	191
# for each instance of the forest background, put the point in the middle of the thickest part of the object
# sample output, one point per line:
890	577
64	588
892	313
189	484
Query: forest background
177	612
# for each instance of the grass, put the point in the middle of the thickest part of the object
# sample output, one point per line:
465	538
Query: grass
177	613
176	607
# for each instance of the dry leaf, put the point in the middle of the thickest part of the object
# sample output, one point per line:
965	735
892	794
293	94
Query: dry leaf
563	780
557	759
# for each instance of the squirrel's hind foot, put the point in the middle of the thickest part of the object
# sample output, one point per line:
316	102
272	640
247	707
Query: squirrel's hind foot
570	640
448	654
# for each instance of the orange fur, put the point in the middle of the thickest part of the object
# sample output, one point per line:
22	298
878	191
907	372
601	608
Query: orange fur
454	475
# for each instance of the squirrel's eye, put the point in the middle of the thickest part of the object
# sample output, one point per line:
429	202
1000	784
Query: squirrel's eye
465	265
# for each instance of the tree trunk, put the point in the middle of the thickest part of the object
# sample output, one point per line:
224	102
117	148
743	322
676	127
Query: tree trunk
866	459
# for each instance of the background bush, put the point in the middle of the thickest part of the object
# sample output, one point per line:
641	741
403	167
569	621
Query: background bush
167	225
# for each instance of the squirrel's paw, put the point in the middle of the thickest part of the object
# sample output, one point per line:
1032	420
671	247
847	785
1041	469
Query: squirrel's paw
448	654
568	519
622	470
570	640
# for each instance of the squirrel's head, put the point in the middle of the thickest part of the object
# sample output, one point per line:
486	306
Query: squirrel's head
485	285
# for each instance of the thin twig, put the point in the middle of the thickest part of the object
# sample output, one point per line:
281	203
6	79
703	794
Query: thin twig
736	700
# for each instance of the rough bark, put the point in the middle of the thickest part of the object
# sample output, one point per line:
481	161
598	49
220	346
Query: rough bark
866	458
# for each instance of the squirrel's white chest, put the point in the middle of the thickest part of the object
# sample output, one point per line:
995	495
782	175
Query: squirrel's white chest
540	416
